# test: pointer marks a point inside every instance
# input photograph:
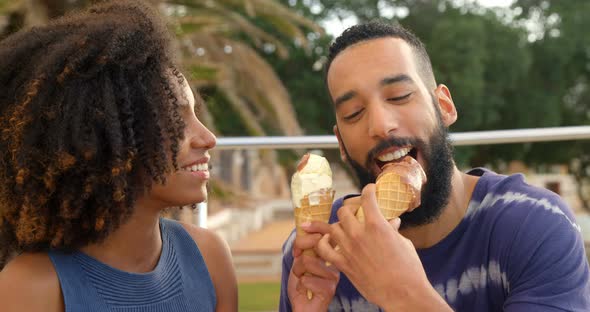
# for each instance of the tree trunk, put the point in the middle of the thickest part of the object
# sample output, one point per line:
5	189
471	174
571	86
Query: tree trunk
580	169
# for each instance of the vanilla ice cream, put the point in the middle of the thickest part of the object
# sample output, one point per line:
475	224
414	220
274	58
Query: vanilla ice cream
313	174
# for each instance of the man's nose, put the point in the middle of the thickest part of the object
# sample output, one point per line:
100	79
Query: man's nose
382	120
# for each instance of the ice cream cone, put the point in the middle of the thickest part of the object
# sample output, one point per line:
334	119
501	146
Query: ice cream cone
312	194
397	189
394	196
316	206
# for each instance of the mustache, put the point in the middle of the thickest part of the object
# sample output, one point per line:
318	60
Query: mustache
392	142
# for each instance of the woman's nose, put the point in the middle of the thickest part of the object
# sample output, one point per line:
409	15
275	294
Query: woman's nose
203	138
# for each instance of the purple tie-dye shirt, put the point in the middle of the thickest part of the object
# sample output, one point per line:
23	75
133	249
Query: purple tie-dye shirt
518	248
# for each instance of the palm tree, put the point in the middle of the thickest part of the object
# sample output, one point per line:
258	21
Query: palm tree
220	44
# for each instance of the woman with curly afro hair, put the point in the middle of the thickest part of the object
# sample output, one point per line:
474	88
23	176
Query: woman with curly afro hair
98	135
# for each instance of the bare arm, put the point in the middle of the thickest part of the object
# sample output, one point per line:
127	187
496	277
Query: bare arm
217	256
29	283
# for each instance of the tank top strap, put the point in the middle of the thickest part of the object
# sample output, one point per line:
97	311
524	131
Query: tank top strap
191	261
76	290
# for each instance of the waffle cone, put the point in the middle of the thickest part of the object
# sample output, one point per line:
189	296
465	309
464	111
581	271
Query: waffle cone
314	207
318	211
394	196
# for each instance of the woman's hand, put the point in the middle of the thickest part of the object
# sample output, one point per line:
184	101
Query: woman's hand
323	279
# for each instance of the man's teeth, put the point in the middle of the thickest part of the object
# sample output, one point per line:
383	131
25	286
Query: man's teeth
199	167
394	155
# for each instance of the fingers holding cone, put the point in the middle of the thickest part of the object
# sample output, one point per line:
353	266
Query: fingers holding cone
314	207
369	204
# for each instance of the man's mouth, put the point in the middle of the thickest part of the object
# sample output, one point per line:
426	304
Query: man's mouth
394	155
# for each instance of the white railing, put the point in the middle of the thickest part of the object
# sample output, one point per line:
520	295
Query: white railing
457	138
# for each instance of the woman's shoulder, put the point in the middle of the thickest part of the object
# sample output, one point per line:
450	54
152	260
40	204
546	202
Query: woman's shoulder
217	257
29	282
210	243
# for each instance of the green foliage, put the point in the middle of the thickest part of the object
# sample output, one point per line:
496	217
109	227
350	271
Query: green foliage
202	72
459	60
306	86
483	61
302	75
559	82
4	5
227	120
502	73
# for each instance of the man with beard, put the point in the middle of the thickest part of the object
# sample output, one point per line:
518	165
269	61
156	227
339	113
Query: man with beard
480	241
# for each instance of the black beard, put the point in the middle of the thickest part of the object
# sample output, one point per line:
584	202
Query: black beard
438	154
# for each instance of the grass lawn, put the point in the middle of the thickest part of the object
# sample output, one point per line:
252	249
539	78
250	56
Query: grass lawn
262	296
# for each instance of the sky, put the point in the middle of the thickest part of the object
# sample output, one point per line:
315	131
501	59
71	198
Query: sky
495	3
335	27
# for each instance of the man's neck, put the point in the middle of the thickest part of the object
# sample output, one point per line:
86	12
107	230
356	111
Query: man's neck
135	246
428	235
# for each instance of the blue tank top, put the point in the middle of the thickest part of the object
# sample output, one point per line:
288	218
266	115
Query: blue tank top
179	282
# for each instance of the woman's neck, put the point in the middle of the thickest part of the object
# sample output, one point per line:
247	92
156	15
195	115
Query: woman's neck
135	246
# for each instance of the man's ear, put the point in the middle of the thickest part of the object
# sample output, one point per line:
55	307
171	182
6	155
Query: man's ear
340	144
446	105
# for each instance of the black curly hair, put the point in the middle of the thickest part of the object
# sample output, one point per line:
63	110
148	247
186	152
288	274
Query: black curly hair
86	106
376	30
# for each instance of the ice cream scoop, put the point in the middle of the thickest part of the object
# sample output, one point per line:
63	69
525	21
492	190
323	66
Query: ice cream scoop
313	174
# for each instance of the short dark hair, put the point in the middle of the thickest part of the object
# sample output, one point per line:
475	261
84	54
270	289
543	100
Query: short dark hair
376	30
86	103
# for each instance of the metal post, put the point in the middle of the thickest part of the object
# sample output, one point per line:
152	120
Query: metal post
202	211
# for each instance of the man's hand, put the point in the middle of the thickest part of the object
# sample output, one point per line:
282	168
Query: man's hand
323	280
382	264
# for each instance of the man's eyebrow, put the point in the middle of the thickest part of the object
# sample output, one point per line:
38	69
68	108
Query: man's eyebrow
396	79
343	98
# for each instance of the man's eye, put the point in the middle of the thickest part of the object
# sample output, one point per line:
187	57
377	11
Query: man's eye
400	98
353	115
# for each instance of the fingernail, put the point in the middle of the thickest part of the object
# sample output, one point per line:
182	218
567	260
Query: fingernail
306	224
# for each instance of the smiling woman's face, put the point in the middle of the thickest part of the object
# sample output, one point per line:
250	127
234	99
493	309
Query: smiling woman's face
188	185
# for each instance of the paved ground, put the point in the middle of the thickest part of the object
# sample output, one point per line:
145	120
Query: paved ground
270	238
